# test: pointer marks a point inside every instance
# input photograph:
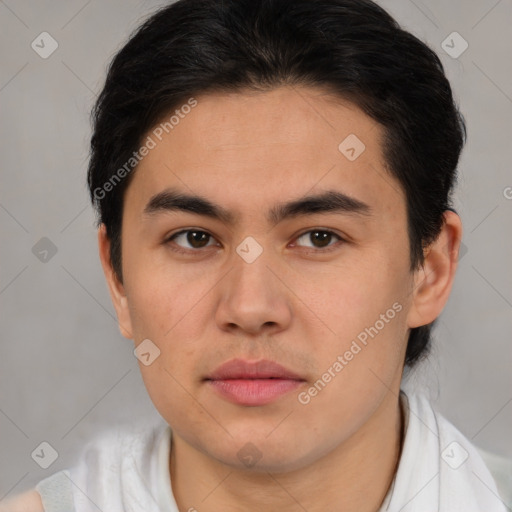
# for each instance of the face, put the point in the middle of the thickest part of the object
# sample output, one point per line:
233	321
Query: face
296	254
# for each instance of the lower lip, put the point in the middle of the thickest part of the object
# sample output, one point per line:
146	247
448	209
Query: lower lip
254	392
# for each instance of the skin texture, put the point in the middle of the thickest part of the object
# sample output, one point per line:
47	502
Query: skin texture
27	502
298	303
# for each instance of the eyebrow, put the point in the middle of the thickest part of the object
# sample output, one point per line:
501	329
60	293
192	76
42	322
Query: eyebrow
330	201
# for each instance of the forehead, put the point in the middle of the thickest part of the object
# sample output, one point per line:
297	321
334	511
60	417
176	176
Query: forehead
251	148
308	117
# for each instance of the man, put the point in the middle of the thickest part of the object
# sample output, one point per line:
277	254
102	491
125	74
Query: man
273	180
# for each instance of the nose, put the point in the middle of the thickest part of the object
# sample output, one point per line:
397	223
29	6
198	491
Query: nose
253	300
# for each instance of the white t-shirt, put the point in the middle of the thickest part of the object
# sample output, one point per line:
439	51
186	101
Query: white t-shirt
127	470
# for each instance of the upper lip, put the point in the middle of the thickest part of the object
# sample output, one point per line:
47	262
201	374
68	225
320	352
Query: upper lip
242	369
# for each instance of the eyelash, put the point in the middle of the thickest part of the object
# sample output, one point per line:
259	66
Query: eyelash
182	250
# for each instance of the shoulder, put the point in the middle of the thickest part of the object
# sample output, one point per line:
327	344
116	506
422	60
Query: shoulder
130	441
118	467
464	476
29	501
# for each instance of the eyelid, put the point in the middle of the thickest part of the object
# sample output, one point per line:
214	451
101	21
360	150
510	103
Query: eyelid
178	248
323	230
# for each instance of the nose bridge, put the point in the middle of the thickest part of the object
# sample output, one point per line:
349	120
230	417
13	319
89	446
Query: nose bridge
251	296
250	275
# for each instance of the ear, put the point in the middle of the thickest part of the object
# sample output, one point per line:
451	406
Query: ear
115	287
433	281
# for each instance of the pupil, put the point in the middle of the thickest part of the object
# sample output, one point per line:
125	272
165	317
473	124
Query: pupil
195	238
322	237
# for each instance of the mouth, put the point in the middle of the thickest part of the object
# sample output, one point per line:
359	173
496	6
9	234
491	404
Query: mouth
253	383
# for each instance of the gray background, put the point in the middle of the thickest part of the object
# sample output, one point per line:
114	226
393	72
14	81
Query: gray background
65	371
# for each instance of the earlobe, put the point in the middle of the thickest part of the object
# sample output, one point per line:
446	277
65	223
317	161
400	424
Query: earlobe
115	287
433	281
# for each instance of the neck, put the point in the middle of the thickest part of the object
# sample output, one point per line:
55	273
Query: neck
356	476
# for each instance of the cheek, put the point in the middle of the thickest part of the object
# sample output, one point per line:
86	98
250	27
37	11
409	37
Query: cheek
347	296
357	368
168	386
162	297
361	311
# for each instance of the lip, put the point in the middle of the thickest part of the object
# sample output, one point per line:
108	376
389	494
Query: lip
253	383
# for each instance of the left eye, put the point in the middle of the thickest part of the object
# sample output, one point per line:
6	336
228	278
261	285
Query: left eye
319	238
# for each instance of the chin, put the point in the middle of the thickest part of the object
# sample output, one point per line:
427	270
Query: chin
263	453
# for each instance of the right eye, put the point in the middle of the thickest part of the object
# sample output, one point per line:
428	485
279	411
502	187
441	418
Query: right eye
191	240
